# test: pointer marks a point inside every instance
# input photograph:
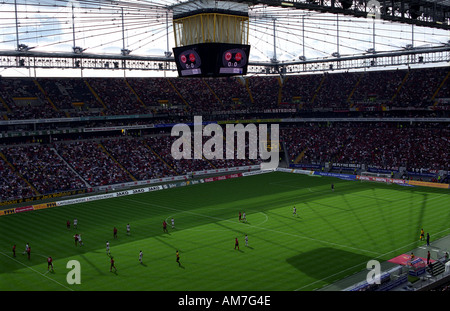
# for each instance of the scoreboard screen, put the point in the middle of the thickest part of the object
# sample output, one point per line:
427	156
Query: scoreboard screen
212	59
234	60
189	62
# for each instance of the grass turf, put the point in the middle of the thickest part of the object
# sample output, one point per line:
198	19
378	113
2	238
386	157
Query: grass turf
333	235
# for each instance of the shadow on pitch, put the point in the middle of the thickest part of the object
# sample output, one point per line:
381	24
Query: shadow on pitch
317	263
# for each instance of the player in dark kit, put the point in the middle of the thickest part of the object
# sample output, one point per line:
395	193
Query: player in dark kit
115	232
14	250
112	265
165	226
49	263
178	258
236	243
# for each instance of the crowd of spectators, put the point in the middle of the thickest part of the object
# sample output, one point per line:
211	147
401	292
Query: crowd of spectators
71	96
71	165
118	98
137	158
419	88
21	99
67	164
329	91
12	185
42	168
92	163
232	93
376	145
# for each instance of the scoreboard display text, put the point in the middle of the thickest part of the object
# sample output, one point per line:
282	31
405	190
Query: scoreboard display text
212	59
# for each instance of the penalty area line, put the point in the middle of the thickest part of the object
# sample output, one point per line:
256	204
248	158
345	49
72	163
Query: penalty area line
42	274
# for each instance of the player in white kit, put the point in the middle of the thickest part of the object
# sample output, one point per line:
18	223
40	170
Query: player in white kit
79	240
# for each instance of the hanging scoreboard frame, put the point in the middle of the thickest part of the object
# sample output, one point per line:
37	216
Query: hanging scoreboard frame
212	59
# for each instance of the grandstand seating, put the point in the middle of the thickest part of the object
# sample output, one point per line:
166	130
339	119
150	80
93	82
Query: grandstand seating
42	168
12	184
384	147
331	91
69	165
75	162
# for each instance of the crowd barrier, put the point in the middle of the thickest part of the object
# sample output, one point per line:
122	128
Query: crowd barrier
26	208
428	184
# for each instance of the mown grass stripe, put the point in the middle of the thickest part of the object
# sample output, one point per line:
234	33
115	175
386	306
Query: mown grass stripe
355	223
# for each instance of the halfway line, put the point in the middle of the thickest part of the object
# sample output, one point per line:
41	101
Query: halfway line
254	226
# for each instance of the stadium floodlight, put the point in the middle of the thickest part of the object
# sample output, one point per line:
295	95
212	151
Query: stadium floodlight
125	52
78	50
23	48
336	54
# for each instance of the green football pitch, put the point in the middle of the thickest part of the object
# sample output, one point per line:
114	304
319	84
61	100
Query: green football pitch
334	234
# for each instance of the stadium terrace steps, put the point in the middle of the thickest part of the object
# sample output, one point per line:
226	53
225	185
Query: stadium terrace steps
397	91
349	98
439	88
95	94
36	192
39	86
103	148
5	105
136	94
249	91
178	93
436	268
70	167
300	156
212	92
159	157
318	89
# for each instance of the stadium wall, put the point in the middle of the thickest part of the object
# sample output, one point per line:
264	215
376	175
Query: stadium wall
367	178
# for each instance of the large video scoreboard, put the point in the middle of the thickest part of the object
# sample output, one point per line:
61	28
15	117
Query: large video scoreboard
212	59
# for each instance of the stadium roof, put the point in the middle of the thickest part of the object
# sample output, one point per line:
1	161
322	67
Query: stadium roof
280	31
